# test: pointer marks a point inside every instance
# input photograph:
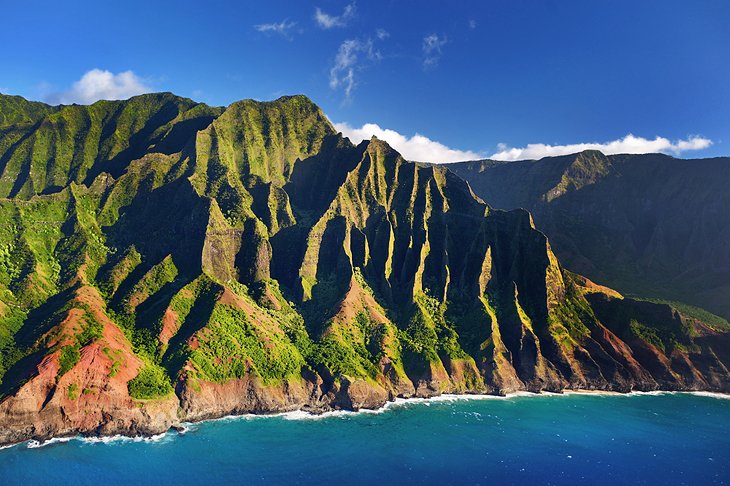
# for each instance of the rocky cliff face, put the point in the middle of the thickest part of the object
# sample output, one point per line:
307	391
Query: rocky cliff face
649	225
202	261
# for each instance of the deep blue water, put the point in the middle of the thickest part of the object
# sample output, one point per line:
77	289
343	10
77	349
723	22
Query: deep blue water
635	439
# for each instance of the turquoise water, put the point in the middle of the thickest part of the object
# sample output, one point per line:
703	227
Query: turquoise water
635	439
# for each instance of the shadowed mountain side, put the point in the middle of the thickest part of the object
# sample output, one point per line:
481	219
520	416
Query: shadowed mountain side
648	225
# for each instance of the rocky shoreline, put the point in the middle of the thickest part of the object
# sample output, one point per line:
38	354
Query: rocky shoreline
152	430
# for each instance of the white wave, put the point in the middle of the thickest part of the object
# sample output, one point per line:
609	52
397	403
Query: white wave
35	444
652	393
186	427
304	415
721	396
446	398
230	418
124	438
597	393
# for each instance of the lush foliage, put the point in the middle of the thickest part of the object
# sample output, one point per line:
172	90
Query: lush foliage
151	382
231	346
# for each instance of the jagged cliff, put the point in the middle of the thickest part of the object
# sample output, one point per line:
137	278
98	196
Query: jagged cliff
162	261
649	225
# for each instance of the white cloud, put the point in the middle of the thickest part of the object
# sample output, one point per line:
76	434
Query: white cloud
281	28
382	34
98	85
418	147
327	21
630	144
423	149
432	45
347	62
472	24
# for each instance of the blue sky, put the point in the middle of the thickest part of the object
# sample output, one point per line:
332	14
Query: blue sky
518	79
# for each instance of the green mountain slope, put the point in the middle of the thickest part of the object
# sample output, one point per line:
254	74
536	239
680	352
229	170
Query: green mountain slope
648	225
161	260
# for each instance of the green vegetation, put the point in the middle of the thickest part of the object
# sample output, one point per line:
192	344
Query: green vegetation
570	323
352	351
10	323
340	359
714	321
648	334
429	333
72	391
77	139
15	110
151	282
151	382
231	346
68	358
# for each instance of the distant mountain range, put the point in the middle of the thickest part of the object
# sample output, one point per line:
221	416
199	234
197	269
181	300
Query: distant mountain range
164	261
648	225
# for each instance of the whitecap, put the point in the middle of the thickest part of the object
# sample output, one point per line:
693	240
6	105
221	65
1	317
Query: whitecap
35	444
597	393
124	438
304	415
721	396
186	427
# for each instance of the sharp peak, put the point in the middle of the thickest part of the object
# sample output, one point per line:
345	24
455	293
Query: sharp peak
590	152
378	144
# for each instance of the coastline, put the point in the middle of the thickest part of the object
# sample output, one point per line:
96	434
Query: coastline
184	427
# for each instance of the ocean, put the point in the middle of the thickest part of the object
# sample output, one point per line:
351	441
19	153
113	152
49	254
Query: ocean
656	438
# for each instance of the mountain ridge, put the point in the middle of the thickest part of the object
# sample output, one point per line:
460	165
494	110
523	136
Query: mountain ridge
650	224
153	273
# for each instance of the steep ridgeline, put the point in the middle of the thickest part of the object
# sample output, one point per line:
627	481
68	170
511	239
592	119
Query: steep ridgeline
163	261
649	225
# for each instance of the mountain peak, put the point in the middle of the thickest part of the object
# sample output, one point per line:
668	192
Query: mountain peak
590	153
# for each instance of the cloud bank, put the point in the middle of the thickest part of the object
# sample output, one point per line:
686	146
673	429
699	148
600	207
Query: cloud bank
327	21
423	149
98	85
630	144
418	147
